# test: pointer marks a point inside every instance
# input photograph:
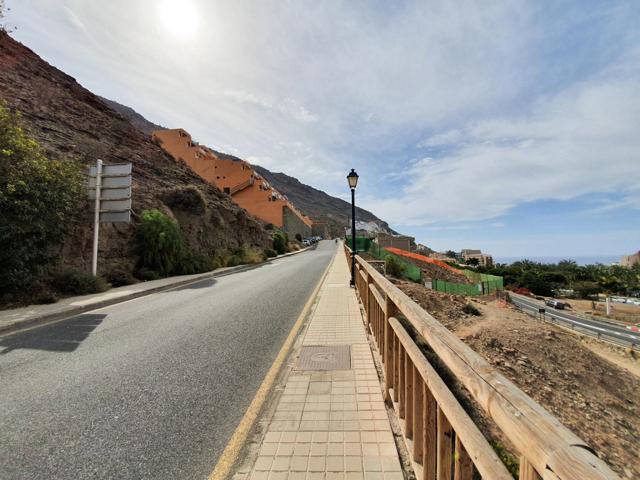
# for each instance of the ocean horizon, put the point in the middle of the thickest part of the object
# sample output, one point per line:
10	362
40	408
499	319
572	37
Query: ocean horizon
579	259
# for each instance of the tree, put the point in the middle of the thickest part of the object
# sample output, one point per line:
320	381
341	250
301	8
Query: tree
40	202
473	261
160	243
450	254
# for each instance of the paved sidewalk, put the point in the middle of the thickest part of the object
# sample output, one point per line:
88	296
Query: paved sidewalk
331	424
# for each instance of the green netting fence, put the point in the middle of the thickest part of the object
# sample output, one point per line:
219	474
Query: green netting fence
411	271
481	288
362	243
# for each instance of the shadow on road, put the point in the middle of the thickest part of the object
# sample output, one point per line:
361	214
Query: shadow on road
209	282
65	336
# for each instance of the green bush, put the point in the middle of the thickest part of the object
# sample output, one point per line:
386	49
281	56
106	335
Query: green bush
270	252
194	262
160	242
280	242
119	277
146	274
40	201
76	282
394	267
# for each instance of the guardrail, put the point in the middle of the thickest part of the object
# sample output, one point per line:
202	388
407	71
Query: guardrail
621	339
443	440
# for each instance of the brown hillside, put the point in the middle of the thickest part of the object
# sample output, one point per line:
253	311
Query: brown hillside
71	122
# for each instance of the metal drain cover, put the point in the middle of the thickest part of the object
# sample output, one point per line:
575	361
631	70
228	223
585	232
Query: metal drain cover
321	357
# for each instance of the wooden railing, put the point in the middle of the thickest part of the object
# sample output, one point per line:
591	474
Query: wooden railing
443	440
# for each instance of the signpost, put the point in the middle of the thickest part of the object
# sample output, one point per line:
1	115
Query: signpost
110	188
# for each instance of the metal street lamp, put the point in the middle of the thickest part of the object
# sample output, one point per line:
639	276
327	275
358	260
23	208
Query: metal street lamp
352	178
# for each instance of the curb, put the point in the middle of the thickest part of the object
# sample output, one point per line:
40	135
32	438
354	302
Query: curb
73	311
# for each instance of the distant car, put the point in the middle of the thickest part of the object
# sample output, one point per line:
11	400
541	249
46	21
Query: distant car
306	242
555	304
634	328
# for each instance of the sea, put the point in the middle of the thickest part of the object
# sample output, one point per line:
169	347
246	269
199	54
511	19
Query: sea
580	260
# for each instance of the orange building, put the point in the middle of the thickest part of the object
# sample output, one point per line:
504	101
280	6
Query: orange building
238	179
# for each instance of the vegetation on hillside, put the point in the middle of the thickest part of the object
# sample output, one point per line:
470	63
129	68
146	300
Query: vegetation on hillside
585	281
40	201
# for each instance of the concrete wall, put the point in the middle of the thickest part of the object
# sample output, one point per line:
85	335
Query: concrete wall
397	241
293	224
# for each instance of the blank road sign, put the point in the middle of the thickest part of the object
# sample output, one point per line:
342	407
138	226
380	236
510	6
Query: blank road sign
111	193
111	182
115	217
115	205
114	169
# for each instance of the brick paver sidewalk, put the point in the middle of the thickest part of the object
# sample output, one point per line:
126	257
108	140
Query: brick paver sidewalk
331	424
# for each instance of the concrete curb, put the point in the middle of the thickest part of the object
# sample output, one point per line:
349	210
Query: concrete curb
44	319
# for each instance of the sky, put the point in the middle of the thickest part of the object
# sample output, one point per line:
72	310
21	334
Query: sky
513	127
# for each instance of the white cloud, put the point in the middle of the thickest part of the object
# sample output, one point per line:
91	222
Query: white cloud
579	141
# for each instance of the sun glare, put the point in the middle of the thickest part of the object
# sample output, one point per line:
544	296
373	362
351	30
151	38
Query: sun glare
179	18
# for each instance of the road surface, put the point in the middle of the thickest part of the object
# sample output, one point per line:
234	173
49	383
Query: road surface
619	335
152	387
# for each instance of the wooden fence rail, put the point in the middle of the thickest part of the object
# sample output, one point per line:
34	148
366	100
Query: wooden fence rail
444	441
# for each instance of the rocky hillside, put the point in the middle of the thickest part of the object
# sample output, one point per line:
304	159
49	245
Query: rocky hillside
134	117
71	122
311	201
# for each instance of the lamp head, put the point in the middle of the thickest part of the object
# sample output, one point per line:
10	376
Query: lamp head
352	178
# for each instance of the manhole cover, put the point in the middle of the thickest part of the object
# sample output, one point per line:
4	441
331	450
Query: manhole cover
333	357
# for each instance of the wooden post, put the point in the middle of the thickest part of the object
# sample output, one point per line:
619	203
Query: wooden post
418	423
445	445
463	466
388	362
408	395
527	472
401	392
396	373
429	462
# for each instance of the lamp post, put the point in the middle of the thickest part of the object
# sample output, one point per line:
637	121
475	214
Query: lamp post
352	178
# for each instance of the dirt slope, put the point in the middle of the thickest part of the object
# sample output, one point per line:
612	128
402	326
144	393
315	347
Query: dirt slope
71	122
596	398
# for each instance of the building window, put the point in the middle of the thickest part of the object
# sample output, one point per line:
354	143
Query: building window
227	190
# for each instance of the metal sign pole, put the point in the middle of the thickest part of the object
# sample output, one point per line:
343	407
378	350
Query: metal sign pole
96	219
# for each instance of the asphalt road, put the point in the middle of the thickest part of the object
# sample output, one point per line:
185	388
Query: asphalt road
152	387
616	334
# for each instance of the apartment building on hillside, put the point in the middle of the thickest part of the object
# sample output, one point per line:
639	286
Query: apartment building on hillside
483	259
237	178
630	260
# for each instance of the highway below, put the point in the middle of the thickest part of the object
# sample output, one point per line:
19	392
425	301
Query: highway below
608	331
149	388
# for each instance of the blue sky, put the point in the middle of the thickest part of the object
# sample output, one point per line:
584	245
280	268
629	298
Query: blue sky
513	127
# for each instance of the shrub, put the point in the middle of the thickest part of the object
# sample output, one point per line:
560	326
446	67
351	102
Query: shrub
280	242
40	201
145	274
119	277
76	282
471	310
160	242
270	253
194	262
252	256
393	267
188	199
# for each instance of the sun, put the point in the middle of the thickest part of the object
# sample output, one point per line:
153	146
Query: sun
179	18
